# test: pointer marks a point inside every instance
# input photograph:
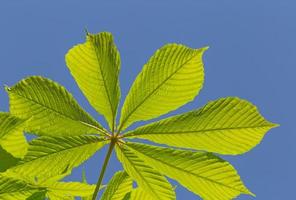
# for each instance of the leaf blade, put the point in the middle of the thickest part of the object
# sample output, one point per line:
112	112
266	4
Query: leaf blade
225	126
202	173
52	110
95	66
171	78
14	189
53	156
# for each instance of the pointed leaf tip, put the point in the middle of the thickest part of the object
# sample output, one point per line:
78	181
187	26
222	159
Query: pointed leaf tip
86	31
7	88
274	125
252	194
205	48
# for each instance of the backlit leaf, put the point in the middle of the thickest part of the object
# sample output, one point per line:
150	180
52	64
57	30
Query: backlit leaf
51	108
226	126
154	184
52	156
172	77
202	173
95	66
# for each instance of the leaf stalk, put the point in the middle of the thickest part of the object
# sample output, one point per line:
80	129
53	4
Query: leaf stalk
103	170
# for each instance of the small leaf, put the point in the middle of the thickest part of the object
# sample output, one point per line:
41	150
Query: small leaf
51	108
95	66
85	181
154	184
12	138
118	187
226	126
52	156
170	79
202	173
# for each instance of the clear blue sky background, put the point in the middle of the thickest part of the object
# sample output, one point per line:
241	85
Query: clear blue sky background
252	55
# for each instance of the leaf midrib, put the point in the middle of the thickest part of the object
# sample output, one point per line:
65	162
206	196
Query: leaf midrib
105	85
132	134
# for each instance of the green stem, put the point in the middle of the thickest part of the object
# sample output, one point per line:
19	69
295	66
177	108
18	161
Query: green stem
103	170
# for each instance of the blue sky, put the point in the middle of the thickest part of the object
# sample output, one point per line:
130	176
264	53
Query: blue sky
252	55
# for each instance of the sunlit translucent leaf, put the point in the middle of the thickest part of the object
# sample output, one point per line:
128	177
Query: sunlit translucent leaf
51	108
118	187
152	182
202	173
226	126
170	79
12	138
95	66
51	156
